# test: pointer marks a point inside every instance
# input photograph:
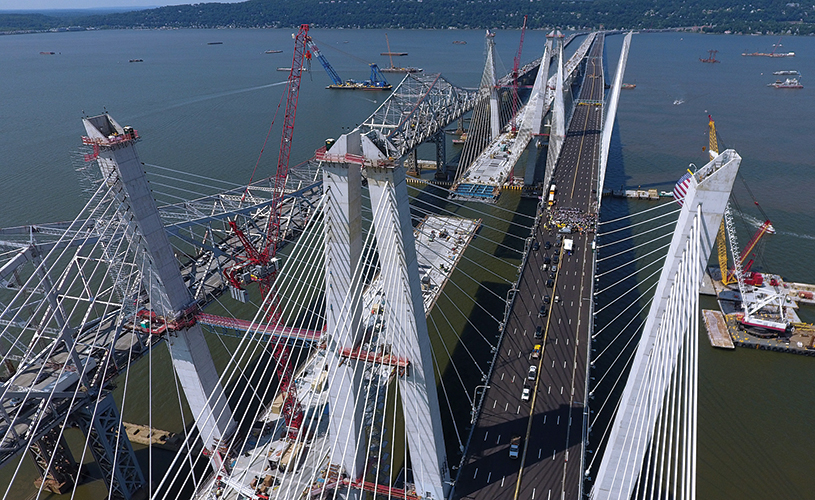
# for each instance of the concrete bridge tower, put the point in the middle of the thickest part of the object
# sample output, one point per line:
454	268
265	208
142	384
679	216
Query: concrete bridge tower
168	294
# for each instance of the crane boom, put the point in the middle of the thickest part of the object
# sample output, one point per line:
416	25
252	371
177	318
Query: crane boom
282	171
713	148
335	78
516	64
262	263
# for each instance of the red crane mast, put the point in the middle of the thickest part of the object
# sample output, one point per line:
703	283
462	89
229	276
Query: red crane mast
516	64
261	262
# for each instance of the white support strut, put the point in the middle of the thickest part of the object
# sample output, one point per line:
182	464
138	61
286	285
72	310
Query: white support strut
611	112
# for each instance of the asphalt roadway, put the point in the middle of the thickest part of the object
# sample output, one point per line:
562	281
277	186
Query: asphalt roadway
552	422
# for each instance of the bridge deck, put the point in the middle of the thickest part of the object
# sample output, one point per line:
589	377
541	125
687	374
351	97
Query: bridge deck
552	424
492	170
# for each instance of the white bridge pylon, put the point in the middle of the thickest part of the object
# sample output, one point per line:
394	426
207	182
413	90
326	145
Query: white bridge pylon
611	111
169	295
652	443
404	325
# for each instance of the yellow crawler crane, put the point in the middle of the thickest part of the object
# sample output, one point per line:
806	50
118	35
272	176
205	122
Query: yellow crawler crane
721	240
728	276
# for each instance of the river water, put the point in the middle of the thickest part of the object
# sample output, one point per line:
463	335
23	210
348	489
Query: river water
206	109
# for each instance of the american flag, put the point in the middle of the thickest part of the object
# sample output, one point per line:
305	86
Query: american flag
681	188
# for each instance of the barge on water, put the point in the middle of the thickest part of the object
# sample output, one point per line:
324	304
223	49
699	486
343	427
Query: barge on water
768	330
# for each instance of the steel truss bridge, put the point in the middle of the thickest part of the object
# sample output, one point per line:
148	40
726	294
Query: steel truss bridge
86	302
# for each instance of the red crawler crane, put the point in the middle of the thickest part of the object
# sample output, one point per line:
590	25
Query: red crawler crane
260	264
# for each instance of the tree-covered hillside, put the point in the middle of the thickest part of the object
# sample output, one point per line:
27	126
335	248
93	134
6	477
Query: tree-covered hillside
766	16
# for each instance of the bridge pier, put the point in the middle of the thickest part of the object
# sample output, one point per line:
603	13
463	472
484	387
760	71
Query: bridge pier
557	131
440	139
54	462
107	439
673	309
407	327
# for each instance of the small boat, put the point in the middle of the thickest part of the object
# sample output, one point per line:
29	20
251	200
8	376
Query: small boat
273	52
628	86
677	102
45	53
789	83
136	60
215	43
793	72
459	42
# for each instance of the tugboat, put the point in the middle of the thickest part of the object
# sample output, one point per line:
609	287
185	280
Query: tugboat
789	83
628	86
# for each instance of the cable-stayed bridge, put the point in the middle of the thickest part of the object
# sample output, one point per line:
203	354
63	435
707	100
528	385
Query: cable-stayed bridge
395	309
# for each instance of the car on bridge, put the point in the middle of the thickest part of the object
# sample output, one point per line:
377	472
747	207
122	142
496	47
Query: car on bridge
533	372
547	245
550	283
546	299
538	332
536	351
555	259
525	394
536	246
546	260
543	312
515	447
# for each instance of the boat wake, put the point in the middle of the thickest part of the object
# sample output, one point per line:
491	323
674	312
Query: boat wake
226	93
798	235
208	97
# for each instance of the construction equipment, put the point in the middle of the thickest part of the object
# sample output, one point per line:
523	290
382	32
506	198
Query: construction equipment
711	57
729	276
376	82
755	299
392	68
516	64
260	265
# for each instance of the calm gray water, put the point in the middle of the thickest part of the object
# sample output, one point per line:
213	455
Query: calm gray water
206	109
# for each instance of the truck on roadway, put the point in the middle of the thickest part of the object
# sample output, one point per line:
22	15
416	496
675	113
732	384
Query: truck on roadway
568	245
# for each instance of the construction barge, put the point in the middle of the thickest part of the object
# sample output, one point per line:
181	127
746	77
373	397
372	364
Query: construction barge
726	328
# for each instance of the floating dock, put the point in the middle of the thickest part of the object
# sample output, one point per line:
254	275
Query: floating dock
717	329
144	435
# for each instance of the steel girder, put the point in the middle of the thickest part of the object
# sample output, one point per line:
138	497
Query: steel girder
418	108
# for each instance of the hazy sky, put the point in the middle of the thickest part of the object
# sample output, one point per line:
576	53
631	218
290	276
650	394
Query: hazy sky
88	4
